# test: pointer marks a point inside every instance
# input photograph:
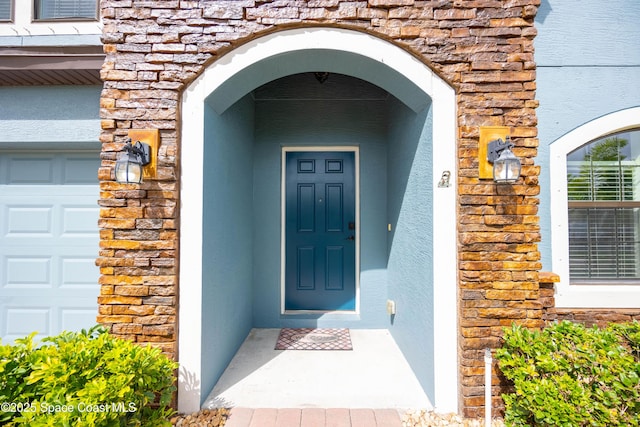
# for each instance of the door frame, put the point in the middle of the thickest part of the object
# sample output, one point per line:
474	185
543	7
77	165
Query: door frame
283	238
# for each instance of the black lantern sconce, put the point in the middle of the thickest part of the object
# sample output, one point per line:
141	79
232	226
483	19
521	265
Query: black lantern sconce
506	166
495	158
131	160
137	160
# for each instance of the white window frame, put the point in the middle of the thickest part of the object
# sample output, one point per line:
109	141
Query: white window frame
583	296
22	24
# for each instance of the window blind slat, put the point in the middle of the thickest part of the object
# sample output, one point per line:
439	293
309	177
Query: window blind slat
603	243
5	10
66	9
604	226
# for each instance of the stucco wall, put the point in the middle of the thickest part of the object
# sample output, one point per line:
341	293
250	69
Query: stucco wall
227	275
587	66
50	114
327	120
410	267
241	244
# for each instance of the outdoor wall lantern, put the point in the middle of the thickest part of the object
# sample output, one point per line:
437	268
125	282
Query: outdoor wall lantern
495	158
131	160
506	166
137	160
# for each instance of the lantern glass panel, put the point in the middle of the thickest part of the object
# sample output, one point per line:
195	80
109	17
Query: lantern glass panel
128	170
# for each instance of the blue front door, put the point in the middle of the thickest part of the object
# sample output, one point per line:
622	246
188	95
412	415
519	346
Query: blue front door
320	221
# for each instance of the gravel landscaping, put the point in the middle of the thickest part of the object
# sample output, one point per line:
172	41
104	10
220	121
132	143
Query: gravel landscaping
429	419
204	418
218	417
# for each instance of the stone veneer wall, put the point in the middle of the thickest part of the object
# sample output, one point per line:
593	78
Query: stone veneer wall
484	48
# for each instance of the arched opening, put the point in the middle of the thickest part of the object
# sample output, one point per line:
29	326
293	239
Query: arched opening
239	117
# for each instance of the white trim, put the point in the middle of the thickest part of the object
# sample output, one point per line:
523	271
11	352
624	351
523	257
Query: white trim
583	296
23	23
283	240
445	250
190	307
444	203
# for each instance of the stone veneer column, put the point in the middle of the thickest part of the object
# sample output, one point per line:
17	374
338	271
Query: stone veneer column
484	48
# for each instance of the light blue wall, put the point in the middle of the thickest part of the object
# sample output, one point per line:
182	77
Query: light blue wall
227	237
395	149
31	117
588	59
395	187
320	122
410	267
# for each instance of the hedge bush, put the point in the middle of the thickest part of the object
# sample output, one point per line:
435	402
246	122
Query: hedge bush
571	375
88	378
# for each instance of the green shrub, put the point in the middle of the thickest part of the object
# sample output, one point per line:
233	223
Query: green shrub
88	378
571	375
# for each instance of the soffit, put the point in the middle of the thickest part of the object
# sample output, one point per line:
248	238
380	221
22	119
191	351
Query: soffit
50	65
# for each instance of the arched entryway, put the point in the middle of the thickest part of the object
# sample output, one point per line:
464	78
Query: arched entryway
400	125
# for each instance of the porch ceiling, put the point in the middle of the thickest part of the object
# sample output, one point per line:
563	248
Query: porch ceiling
305	86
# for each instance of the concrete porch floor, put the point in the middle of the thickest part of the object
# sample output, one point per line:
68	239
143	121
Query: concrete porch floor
374	375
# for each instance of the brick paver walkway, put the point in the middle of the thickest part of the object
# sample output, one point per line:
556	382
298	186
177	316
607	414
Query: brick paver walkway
313	417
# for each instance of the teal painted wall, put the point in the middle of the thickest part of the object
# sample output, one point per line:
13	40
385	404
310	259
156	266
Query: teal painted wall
410	267
243	152
227	237
34	117
396	158
588	65
308	122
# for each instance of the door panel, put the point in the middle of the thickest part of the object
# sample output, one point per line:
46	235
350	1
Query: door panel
306	268
335	268
320	233
306	208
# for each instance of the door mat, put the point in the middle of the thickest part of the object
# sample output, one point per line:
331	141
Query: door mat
314	339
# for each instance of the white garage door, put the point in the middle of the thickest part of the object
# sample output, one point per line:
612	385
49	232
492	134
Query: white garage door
48	242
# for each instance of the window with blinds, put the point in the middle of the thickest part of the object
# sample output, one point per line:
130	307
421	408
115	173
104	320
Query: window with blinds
603	186
5	10
66	9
